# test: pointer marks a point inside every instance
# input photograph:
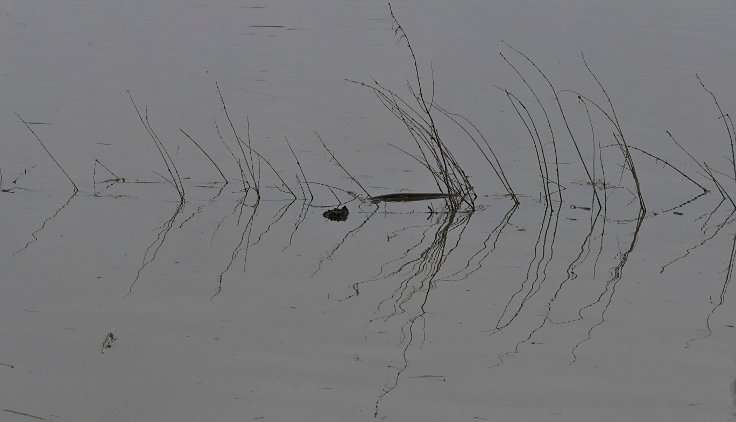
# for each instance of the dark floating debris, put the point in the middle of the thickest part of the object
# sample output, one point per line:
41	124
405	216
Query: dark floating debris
25	414
408	197
108	342
337	214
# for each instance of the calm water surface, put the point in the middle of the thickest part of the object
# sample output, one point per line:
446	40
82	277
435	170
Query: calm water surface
122	302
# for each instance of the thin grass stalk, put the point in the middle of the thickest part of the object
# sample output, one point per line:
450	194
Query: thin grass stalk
76	189
541	159
206	155
301	170
413	121
278	175
562	113
497	168
246	185
175	175
720	188
618	136
447	172
255	173
546	116
239	142
417	159
420	130
725	118
268	163
336	161
632	168
415	127
165	156
708	171
668	164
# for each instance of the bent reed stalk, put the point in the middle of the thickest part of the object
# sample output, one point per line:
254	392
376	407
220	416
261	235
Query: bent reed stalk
28	126
422	116
418	118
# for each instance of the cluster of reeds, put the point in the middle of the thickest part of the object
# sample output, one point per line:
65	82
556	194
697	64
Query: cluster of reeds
419	115
422	117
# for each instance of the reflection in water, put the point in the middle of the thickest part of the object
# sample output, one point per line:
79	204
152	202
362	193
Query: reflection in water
35	233
549	275
243	244
274	220
299	220
328	256
733	395
585	250
174	180
35	135
610	286
207	203
152	250
476	260
542	256
721	297
108	183
717	229
415	275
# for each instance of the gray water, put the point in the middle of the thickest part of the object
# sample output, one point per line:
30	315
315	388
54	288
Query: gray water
233	306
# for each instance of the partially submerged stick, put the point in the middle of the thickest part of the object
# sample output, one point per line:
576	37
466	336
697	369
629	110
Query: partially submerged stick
408	197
